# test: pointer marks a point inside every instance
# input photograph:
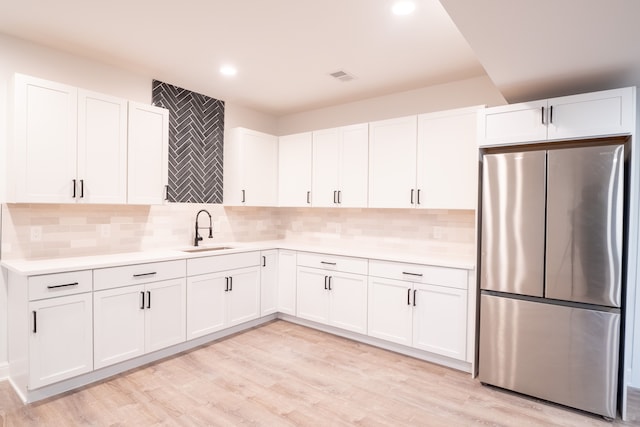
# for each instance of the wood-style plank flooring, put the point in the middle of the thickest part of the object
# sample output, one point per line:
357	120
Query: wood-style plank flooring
281	374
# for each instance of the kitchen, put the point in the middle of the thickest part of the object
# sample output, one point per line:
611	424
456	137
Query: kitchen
129	228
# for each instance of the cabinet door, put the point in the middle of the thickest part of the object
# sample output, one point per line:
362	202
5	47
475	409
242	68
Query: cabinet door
326	152
390	310
287	279
348	302
165	314
354	166
118	325
206	304
515	123
269	283
251	169
440	320
448	160
46	121
61	339
102	148
294	170
313	294
148	160
607	112
392	163
243	297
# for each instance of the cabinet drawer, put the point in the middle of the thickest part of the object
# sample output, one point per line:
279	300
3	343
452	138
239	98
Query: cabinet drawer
59	284
115	277
418	273
212	264
334	263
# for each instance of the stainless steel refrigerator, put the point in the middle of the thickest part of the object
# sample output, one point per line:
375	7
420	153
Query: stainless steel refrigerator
551	273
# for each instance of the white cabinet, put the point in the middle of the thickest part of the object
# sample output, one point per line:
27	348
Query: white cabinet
269	282
148	149
70	144
250	168
330	296
287	280
340	166
427	310
608	112
50	334
392	163
61	339
447	168
294	170
222	291
138	309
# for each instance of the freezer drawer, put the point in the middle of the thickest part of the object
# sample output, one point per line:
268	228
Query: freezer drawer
557	353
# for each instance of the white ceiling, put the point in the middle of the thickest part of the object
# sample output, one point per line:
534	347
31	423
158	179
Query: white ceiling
285	49
535	49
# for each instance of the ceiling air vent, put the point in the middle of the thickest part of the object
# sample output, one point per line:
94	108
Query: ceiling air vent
343	76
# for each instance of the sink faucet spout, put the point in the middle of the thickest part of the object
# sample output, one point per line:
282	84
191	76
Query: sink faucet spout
198	237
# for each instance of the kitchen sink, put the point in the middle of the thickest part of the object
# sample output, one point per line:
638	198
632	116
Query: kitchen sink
207	249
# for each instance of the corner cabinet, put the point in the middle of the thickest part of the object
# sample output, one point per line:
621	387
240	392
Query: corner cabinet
148	154
294	170
69	144
603	113
250	168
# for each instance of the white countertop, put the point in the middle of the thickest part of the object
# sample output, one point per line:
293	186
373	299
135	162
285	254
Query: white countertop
56	265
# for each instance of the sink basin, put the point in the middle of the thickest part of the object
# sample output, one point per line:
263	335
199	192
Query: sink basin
207	249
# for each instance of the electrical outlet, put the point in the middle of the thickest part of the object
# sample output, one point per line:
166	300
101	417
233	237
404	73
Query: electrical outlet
36	233
105	230
437	233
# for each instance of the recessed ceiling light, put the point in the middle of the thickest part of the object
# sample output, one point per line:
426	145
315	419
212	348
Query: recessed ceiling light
403	7
228	70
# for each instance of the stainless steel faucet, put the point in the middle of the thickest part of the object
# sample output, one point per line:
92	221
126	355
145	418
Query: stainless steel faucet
198	237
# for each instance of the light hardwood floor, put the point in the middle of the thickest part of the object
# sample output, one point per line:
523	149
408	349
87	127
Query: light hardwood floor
281	374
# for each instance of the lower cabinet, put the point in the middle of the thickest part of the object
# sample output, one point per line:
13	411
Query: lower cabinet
420	315
216	301
332	297
134	320
61	339
269	282
287	279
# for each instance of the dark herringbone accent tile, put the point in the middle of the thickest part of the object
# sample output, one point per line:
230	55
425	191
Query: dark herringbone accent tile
196	141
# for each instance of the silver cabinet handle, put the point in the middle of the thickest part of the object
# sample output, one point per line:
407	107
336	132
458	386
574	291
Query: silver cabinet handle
308	197
327	263
412	274
412	190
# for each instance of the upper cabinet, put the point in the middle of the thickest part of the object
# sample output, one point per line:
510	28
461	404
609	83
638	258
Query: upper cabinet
392	163
426	162
70	146
148	154
250	169
447	162
340	166
608	112
294	170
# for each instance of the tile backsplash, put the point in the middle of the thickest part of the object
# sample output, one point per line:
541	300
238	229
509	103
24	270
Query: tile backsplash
35	231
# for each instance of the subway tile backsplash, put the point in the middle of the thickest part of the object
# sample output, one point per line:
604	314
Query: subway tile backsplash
35	231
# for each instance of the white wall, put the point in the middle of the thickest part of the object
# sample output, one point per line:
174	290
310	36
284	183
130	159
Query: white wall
463	93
